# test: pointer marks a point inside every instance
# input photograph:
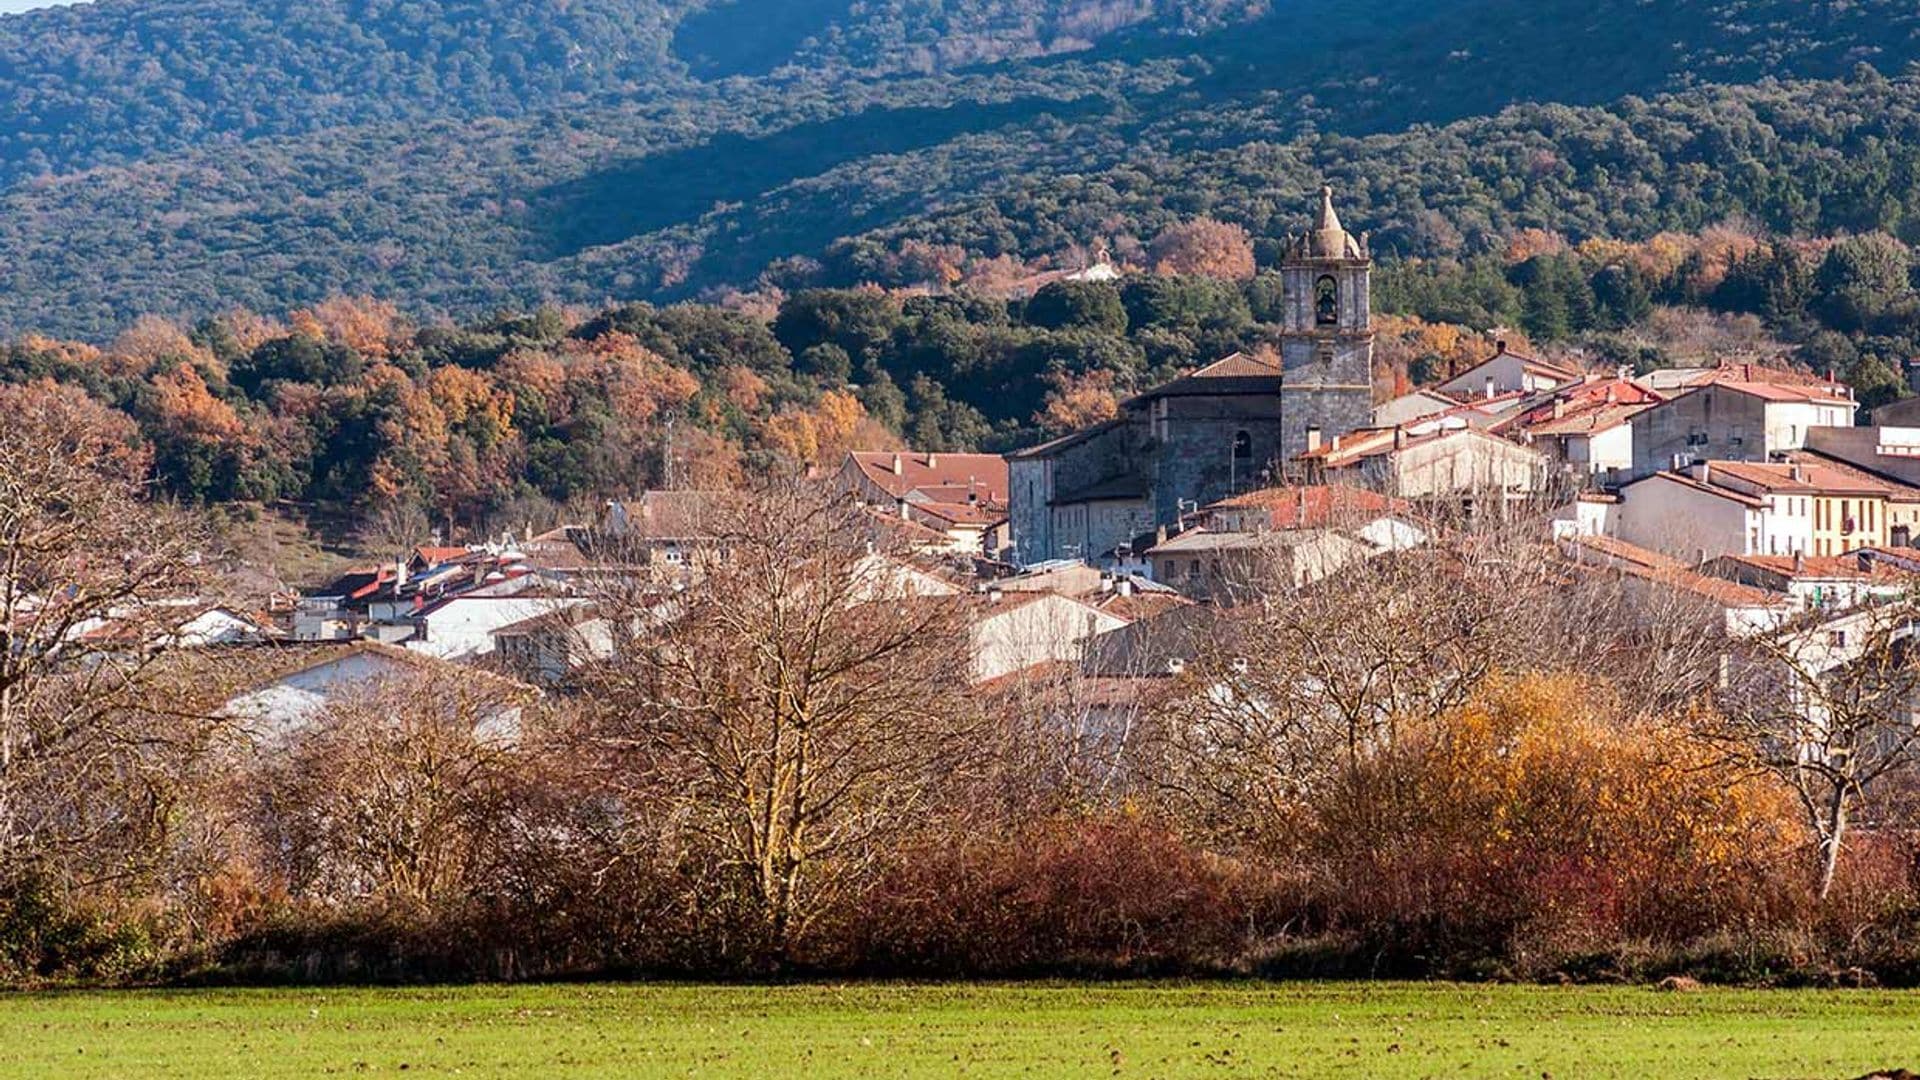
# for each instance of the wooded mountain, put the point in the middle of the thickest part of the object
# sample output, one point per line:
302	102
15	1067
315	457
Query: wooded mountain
186	156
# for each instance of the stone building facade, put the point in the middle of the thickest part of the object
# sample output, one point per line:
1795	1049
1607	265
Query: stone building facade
1233	425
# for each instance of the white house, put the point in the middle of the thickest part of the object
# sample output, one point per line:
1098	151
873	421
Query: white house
1504	373
292	687
1694	518
1015	631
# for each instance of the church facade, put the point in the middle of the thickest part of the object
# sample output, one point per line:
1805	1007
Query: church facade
1228	427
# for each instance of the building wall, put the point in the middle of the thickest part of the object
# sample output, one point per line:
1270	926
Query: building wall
1192	459
1034	632
1790	422
1502	374
1890	451
1843	523
1611	449
1681	520
1710	423
1090	529
1466	462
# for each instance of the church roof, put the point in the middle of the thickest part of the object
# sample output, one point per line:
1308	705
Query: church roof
1234	374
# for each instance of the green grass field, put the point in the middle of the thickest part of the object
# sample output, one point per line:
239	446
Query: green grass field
877	1030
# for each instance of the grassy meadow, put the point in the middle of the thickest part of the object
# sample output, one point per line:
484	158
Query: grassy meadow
871	1030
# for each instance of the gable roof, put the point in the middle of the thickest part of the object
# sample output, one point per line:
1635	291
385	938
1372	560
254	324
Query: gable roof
1799	477
900	473
1816	393
1310	505
1532	365
1829	567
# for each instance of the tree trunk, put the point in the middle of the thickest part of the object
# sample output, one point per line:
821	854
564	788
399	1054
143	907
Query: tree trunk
1831	835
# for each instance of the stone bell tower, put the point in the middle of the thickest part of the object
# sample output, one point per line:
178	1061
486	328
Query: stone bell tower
1327	333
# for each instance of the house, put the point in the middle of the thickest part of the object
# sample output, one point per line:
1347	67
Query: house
1507	372
1652	583
1735	421
1221	566
1749	508
1890	453
284	688
184	623
963	496
1015	631
1213	432
1302	506
462	627
1432	459
1816	583
1411	406
1902	510
1585	427
545	648
658	535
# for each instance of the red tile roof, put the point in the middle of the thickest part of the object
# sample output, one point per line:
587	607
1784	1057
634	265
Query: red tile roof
1818	566
1817	479
1311	506
985	474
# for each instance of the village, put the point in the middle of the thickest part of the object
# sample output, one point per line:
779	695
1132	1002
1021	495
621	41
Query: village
1748	490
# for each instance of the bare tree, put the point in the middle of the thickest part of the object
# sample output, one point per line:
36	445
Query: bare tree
89	750
399	798
1829	706
791	715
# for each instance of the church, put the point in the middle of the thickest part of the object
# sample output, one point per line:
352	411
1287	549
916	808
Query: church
1225	428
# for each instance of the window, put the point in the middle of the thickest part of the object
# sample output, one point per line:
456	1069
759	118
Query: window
1837	639
1242	446
1326	302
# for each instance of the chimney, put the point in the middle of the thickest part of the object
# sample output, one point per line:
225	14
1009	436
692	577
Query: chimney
399	575
1490	394
1176	666
1613	394
1799	563
899	467
1300	503
932	461
1799	474
1500	347
1399	437
1559	408
1124	586
1313	437
1746	372
1159	536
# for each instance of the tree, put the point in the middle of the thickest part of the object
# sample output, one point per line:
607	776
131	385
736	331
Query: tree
88	570
1862	279
1203	247
1078	305
1829	708
788	715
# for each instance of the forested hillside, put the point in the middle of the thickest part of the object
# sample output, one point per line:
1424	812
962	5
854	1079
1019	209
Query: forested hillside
188	157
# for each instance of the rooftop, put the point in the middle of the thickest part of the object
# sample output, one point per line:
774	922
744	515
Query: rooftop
901	472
